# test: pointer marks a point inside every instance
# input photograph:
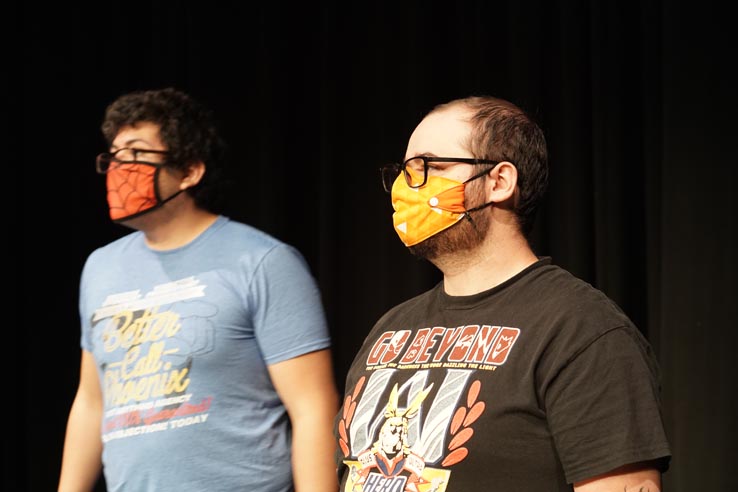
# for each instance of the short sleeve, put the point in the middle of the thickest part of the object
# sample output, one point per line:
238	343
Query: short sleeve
289	318
604	407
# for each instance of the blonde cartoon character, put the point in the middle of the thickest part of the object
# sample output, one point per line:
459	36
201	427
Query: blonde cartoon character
390	464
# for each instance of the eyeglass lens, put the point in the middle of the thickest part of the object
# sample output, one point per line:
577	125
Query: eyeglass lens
103	162
389	175
106	160
415	171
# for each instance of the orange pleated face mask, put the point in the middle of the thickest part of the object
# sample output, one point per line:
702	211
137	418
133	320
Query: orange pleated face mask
422	212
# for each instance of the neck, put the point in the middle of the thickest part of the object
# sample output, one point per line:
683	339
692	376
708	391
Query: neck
174	225
502	255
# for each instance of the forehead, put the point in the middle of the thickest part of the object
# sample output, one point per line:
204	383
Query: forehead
144	134
442	133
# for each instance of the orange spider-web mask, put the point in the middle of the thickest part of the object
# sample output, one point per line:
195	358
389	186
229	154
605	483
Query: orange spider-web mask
425	211
133	190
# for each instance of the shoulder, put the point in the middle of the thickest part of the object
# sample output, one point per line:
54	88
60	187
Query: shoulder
226	229
118	246
408	309
561	295
250	240
255	247
570	316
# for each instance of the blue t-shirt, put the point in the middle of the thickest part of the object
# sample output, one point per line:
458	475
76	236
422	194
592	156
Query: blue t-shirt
182	340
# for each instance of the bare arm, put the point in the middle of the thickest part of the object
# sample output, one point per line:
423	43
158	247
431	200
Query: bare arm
638	477
81	462
306	386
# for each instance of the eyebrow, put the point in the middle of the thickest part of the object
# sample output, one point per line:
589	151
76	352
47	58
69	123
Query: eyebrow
129	143
422	154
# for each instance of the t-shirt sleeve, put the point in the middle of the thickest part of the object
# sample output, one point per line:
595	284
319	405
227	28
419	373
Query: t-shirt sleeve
604	407
289	318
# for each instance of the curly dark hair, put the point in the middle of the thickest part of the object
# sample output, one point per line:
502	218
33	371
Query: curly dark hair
502	131
188	130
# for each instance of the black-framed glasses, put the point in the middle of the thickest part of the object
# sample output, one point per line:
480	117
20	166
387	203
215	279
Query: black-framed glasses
415	169
126	155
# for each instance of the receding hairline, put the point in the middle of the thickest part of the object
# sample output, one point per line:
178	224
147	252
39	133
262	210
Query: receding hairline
475	103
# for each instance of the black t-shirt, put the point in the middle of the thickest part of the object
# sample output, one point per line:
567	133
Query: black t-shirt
533	385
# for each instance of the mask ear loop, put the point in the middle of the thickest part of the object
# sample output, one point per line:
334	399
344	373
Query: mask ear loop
471	221
480	207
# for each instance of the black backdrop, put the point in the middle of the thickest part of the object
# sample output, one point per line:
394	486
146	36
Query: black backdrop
637	99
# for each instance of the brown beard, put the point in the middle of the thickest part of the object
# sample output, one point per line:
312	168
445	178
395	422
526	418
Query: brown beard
465	235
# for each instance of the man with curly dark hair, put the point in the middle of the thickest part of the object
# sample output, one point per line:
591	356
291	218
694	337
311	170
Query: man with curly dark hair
206	359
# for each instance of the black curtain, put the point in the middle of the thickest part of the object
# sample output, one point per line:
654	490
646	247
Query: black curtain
637	99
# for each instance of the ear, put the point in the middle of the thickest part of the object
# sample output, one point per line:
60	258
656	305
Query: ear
503	180
194	174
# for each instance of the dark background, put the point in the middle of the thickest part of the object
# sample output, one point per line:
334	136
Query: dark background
637	99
